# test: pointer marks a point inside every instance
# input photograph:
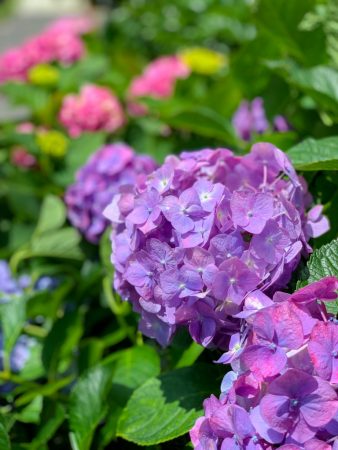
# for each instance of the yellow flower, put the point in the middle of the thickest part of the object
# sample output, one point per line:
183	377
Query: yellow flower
203	60
43	75
52	143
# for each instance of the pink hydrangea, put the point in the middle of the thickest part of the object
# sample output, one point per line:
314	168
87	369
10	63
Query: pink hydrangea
157	81
59	42
206	230
282	392
95	108
20	157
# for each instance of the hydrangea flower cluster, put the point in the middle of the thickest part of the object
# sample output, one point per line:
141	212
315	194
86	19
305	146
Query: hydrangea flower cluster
60	42
205	230
98	180
282	392
250	118
157	81
95	108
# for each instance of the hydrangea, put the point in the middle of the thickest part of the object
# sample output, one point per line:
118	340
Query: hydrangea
203	232
282	392
59	42
157	81
250	118
10	286
20	157
98	180
95	108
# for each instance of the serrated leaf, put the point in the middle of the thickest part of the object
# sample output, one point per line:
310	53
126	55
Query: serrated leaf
88	404
166	407
312	154
324	262
52	214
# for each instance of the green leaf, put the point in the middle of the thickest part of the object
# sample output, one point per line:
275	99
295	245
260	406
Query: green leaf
280	21
324	262
61	243
62	340
202	121
133	367
312	154
34	97
52	214
88	404
4	438
13	316
190	355
31	413
52	417
78	153
166	407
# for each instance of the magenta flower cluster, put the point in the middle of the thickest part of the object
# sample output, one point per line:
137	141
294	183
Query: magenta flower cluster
95	108
205	230
282	391
60	42
157	81
250	118
98	180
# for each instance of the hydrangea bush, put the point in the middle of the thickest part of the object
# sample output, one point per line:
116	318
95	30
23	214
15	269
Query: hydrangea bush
95	108
282	391
206	229
213	274
108	169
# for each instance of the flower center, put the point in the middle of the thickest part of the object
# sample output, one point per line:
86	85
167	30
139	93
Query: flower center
294	403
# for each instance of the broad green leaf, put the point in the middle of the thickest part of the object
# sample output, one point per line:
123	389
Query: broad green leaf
52	214
133	367
202	121
61	243
13	316
4	438
324	262
88	404
31	413
166	407
320	82
312	154
62	340
34	97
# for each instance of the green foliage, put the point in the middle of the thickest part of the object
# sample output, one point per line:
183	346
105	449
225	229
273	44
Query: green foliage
166	407
311	154
92	381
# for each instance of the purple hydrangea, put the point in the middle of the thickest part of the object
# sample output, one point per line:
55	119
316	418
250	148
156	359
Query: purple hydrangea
203	232
283	391
250	118
10	286
108	169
